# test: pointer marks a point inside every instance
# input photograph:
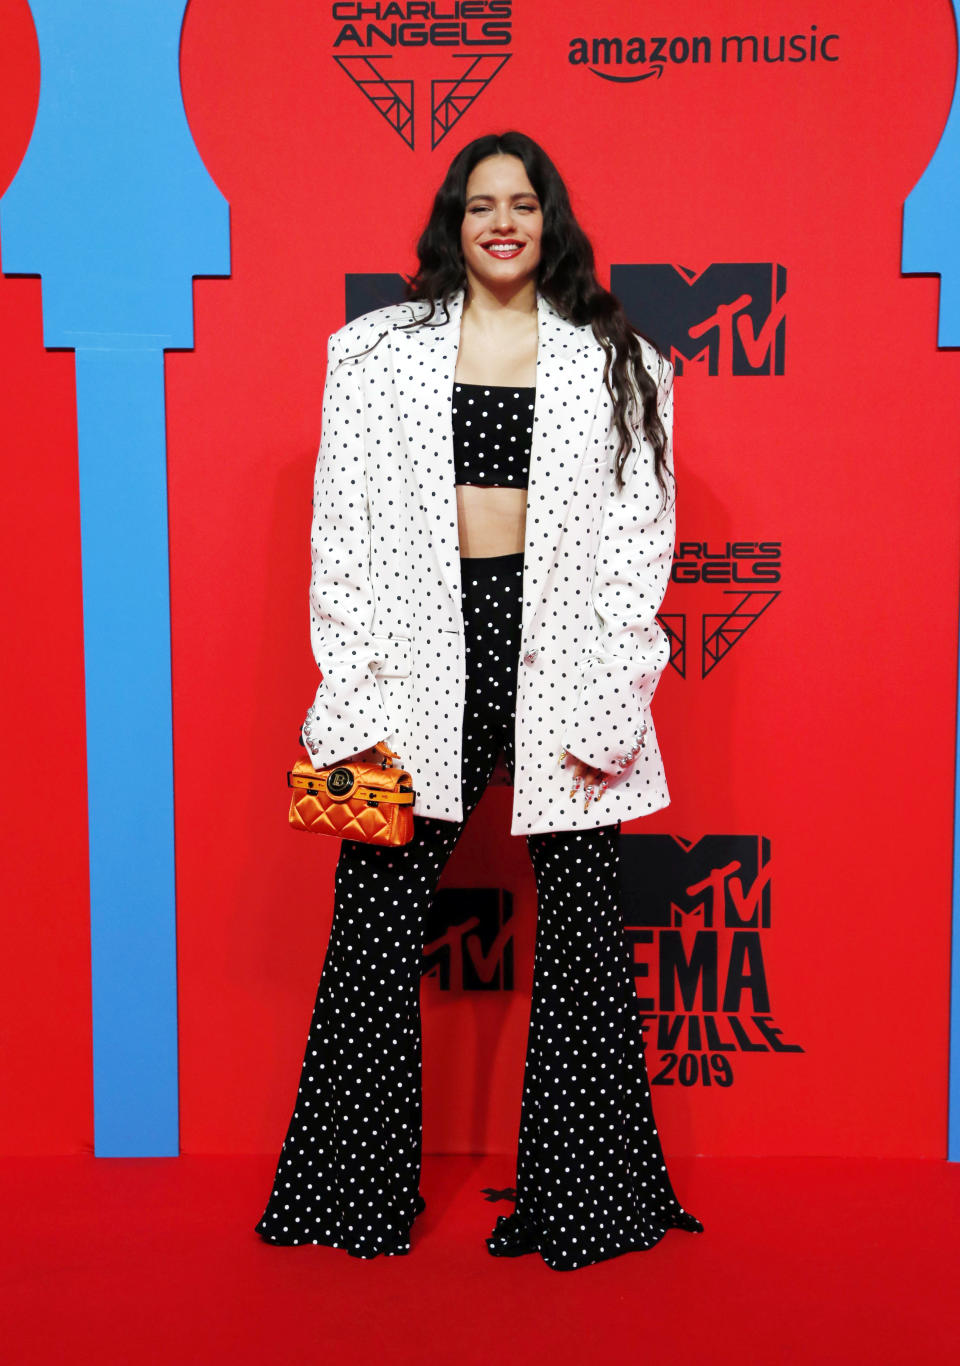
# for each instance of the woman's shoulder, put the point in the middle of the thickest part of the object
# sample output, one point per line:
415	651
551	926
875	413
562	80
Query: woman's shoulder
654	361
364	331
651	357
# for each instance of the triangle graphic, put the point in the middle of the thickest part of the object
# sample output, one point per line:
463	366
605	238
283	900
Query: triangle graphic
392	98
722	631
450	100
675	625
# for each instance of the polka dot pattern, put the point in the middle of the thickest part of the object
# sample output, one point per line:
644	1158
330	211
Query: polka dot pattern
492	430
385	610
591	1178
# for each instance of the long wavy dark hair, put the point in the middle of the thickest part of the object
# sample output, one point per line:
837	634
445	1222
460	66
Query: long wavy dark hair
565	275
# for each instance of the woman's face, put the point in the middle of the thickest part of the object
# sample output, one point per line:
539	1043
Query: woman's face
502	223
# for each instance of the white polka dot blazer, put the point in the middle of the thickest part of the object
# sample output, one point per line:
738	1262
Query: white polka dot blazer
385	595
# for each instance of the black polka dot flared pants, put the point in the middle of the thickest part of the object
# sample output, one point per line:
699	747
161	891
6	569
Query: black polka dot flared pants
591	1178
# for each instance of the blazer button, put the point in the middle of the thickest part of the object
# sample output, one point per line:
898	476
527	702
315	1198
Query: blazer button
529	657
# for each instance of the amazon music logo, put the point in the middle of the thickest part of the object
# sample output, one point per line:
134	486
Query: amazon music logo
469	939
732	586
632	58
403	55
727	319
697	917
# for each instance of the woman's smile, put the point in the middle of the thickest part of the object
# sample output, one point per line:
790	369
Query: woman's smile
505	251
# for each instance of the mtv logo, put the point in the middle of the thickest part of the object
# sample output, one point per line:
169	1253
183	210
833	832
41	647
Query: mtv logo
469	939
729	318
667	881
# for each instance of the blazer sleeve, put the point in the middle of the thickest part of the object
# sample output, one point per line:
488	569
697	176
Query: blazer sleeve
347	714
631	575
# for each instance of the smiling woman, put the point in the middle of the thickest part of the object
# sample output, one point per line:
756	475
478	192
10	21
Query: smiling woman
513	379
497	358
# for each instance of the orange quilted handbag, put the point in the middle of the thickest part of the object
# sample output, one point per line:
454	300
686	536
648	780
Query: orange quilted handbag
354	801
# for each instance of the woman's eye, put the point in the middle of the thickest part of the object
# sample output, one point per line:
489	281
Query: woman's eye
482	208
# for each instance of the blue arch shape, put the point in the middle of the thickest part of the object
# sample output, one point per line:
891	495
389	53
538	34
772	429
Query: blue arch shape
114	209
931	214
931	245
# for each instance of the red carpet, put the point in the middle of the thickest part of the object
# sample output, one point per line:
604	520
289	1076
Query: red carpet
803	1260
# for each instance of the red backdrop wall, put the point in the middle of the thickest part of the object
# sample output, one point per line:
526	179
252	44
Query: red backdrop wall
827	729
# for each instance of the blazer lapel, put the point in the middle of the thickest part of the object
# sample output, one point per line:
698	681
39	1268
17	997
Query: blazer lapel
569	377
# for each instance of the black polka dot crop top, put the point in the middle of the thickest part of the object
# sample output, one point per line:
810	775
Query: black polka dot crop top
492	433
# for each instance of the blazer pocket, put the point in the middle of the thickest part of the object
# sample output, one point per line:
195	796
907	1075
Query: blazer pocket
589	659
392	656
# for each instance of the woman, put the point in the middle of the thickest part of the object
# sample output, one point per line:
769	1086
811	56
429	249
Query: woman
492	537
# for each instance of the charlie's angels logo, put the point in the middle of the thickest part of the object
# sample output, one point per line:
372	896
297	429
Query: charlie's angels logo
469	939
697	916
396	50
727	319
732	586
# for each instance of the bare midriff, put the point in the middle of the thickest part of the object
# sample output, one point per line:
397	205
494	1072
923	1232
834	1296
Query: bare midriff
491	521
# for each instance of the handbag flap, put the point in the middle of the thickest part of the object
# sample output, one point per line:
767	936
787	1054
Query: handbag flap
368	775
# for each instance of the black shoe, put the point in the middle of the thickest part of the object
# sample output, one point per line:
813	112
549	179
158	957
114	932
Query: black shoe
511	1237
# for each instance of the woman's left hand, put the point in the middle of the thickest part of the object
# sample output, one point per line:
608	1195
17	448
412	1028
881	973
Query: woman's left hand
594	782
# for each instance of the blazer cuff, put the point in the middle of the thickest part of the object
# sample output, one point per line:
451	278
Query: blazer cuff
341	723
609	720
